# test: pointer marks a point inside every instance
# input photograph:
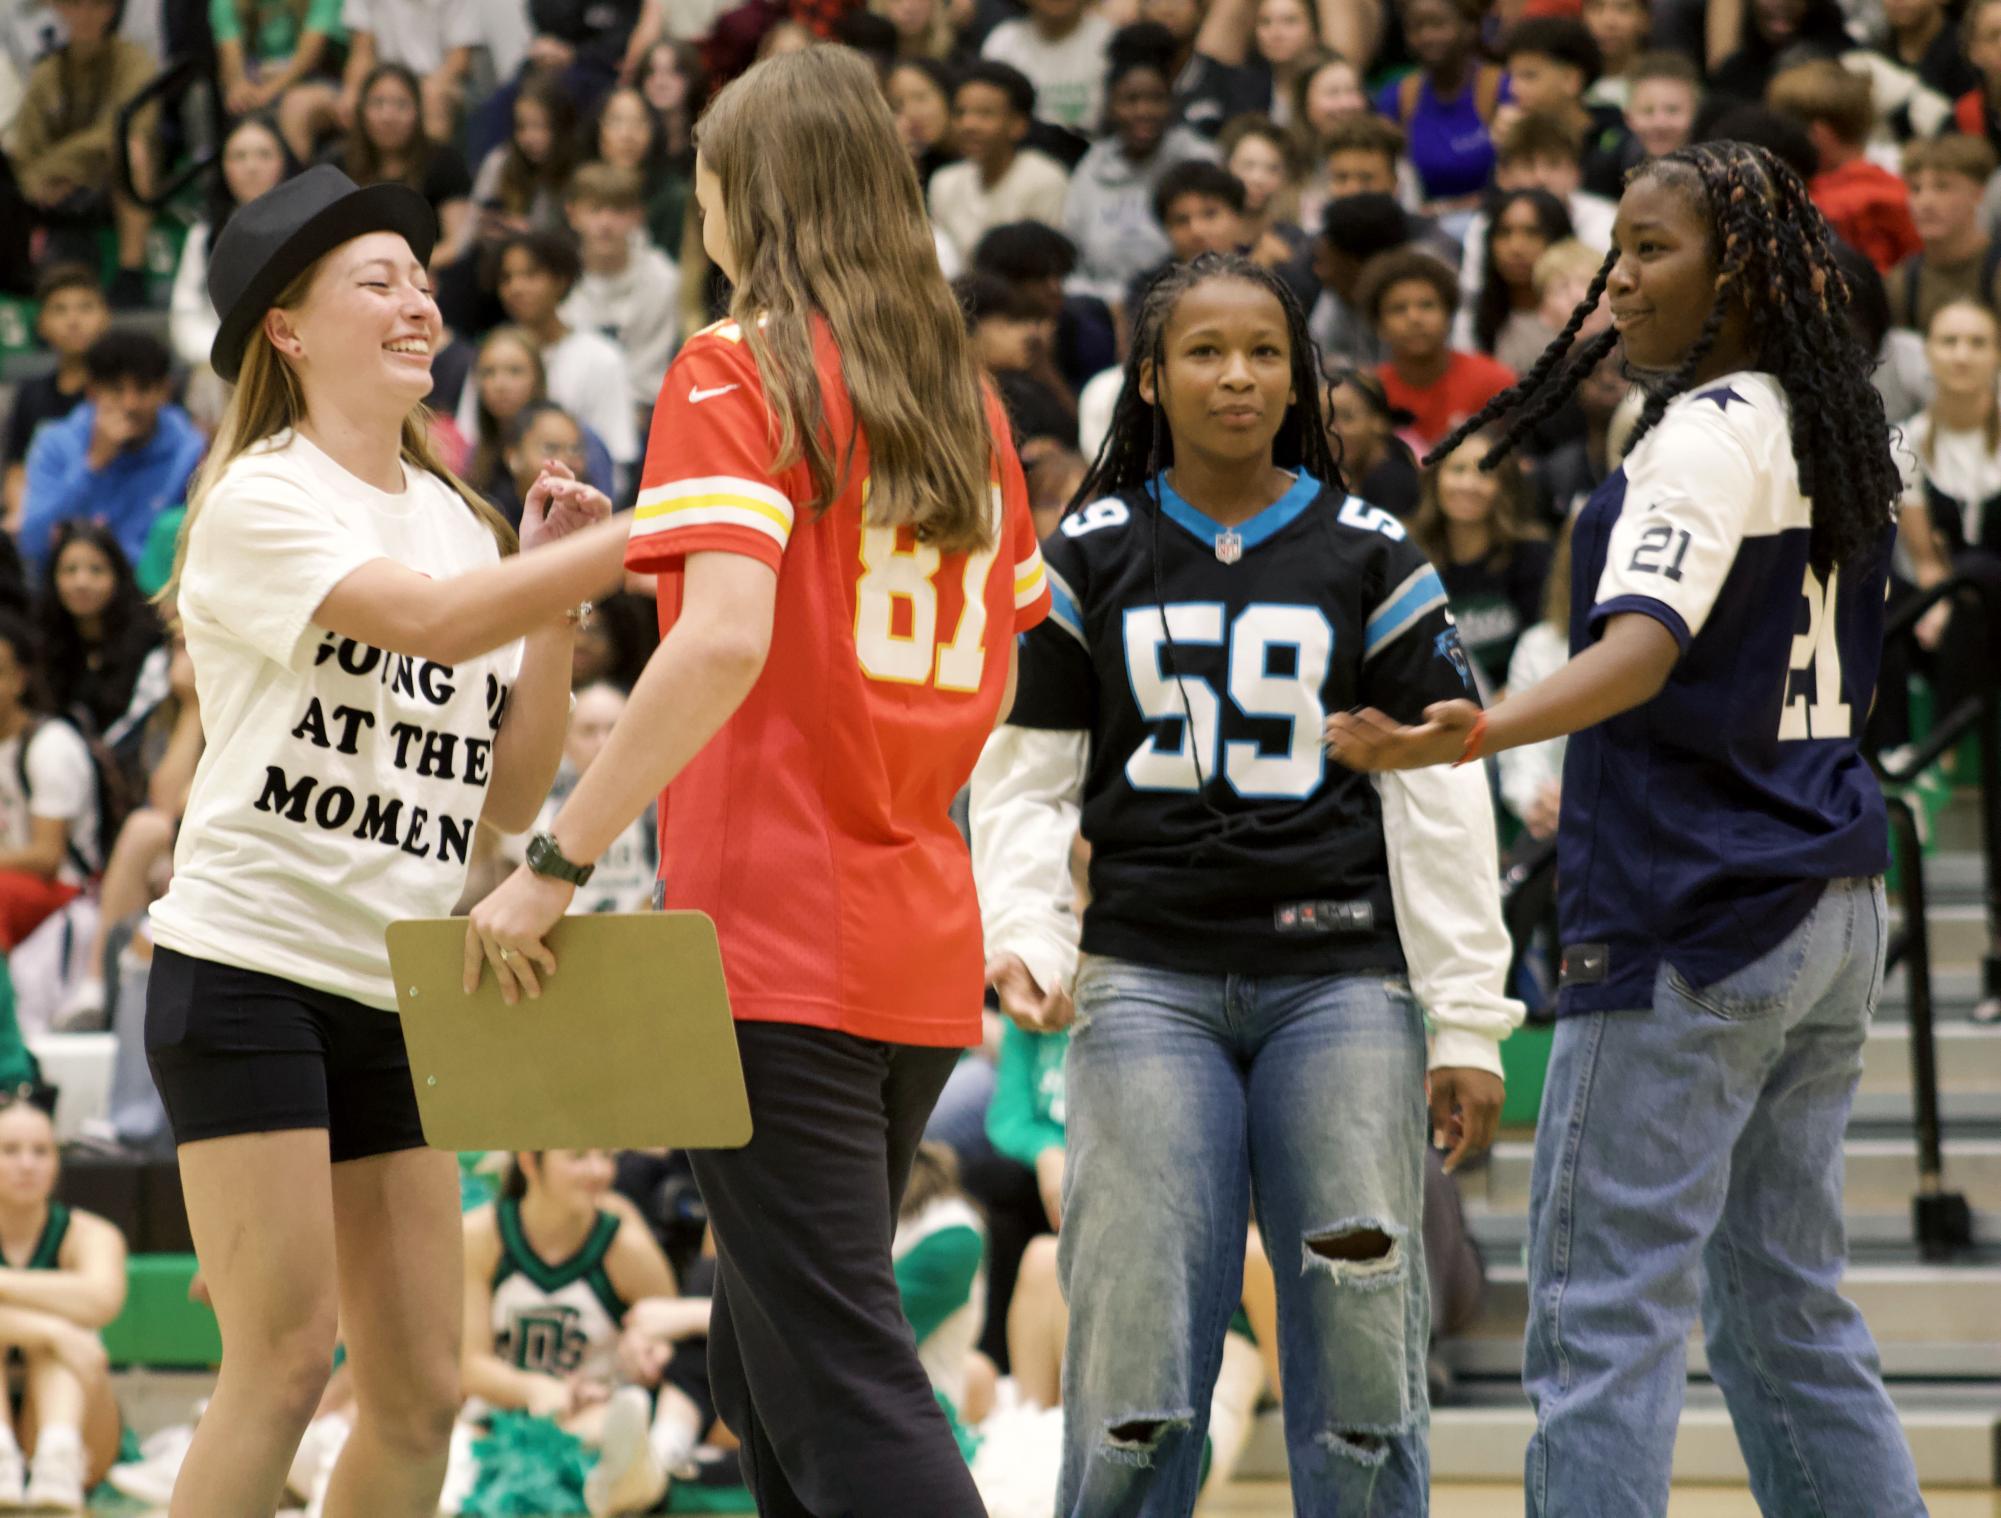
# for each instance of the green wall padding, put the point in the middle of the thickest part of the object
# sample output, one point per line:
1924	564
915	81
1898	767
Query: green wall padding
160	1326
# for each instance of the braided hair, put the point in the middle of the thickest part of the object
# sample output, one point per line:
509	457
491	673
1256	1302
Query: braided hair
1775	255
1138	447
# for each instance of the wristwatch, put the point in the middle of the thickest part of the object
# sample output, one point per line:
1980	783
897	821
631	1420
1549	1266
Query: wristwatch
545	857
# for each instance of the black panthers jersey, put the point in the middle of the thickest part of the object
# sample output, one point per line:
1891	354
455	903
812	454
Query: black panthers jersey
1223	839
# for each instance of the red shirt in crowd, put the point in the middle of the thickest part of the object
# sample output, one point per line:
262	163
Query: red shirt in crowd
1969	112
814	827
1469	382
1871	210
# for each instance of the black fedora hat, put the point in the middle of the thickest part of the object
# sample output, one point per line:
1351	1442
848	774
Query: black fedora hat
275	238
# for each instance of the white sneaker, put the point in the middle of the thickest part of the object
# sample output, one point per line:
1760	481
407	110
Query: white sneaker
13	1477
321	1442
332	1441
55	1479
150	1479
82	1011
628	1477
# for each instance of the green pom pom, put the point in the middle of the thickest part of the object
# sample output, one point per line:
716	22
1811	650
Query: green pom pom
528	1468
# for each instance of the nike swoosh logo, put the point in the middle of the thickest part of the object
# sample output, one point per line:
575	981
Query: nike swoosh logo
696	394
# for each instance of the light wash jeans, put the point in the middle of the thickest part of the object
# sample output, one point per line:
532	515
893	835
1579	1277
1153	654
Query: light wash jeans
1186	1094
1689	1156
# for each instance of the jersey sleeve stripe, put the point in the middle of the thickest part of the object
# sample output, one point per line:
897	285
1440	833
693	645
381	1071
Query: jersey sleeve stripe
1028	587
1646	606
1402	609
1063	608
715	512
657	498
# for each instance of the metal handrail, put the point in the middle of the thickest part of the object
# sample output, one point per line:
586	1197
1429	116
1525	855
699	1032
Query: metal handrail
1941	1219
169	83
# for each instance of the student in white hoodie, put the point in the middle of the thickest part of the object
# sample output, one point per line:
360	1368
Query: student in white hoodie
629	290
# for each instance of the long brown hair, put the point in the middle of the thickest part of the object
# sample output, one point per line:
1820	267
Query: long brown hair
363	159
522	183
268	400
489	447
826	218
1556	584
934	1177
1991	423
1513	520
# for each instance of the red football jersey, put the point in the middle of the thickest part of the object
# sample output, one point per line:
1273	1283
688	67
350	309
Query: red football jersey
814	827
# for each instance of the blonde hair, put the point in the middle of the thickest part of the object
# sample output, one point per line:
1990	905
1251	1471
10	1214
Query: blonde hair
1556	582
1955	153
267	401
1826	92
603	185
939	39
1571	258
827	220
1512	520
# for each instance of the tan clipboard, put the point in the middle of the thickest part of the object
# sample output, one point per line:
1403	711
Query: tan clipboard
629	1046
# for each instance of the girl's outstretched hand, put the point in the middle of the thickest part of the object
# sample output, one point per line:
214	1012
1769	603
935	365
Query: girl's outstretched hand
1369	741
559	504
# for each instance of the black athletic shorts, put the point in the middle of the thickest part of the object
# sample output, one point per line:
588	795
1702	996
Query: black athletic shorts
238	1051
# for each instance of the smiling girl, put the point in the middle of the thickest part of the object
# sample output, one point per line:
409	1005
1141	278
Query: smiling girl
355	617
1478	526
1265	934
1503	319
1108	211
98	630
1720	851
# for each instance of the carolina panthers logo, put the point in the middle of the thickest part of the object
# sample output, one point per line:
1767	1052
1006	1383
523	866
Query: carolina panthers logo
1447	646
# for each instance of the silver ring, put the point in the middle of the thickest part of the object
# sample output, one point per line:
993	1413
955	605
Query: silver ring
506	953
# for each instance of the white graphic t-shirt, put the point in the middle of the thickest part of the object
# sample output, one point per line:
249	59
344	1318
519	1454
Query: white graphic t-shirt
341	783
62	786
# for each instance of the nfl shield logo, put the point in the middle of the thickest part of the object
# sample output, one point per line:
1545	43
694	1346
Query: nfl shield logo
1229	547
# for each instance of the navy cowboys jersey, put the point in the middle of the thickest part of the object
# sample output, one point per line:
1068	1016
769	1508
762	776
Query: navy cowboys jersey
1700	827
1317	604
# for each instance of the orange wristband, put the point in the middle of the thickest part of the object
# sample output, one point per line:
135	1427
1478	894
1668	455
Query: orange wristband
1475	737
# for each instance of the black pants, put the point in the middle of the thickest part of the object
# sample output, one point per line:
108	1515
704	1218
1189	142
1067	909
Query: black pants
811	1360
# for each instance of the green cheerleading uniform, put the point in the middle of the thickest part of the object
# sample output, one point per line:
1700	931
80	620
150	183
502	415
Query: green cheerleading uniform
555	1319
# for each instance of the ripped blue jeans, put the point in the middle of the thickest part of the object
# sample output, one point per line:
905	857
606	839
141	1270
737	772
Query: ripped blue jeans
1187	1095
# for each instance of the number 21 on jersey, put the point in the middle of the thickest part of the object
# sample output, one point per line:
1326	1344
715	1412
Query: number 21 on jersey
1818	711
900	573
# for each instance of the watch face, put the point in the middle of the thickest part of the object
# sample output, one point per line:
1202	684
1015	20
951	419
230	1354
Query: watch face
545	858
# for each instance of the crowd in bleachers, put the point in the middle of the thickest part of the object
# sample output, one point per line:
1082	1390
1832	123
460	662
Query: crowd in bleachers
1434	180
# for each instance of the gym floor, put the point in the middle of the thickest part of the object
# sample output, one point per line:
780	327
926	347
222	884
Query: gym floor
1270	1499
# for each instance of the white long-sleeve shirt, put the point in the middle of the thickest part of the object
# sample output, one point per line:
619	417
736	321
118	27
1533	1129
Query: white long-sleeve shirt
1438	826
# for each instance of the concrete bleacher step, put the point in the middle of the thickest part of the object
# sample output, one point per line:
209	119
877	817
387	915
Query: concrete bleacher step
1959	936
1969	1074
79	1066
1931	1322
1956	829
1955	991
1881	1174
1952	1432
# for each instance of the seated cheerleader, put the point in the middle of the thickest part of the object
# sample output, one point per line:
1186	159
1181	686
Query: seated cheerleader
63	1280
566	1294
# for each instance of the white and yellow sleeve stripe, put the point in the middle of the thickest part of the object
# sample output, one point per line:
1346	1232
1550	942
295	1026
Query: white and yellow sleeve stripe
1029	580
714	501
